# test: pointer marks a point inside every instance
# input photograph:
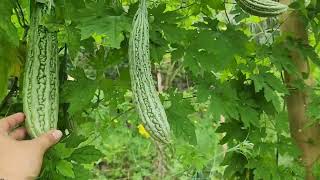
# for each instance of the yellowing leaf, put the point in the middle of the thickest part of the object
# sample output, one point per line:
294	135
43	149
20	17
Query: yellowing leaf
143	131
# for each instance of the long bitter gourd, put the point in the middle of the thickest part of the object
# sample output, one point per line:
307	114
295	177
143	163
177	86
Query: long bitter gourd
41	81
262	8
146	99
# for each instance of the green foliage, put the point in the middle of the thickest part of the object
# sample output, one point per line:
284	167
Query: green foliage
86	155
223	89
181	125
9	42
79	99
67	159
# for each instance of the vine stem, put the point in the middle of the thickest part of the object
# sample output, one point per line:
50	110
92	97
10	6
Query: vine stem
161	160
174	74
183	7
125	112
13	89
225	11
21	18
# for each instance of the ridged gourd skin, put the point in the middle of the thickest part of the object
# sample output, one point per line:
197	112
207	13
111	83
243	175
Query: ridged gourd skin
41	76
262	8
146	99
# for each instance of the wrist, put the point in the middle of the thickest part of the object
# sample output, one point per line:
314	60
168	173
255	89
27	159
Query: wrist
15	177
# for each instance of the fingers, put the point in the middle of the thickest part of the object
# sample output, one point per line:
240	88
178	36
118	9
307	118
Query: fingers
11	122
19	134
45	141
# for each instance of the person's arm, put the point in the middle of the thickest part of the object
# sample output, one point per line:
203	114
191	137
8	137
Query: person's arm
22	159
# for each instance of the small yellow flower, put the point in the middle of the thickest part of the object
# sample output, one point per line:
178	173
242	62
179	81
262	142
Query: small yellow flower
143	131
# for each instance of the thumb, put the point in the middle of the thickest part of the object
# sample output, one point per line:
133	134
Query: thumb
45	141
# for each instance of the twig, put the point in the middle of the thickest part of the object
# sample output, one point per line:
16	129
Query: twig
184	7
167	81
277	28
99	100
126	111
185	98
97	135
282	77
295	89
262	30
159	81
174	74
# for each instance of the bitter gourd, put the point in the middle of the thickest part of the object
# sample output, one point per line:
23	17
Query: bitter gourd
41	81
262	8
146	99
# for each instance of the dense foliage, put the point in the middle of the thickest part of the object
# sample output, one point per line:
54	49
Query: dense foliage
219	72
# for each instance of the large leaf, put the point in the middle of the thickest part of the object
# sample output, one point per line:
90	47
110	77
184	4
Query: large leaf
111	26
86	155
79	93
179	121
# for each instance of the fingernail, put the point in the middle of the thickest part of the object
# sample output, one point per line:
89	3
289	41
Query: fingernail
57	134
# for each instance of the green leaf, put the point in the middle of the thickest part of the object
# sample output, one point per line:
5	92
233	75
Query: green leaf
280	56
111	26
178	118
265	167
270	95
9	41
81	173
191	156
234	162
73	40
73	140
86	155
249	116
170	30
309	52
258	83
281	122
295	5
7	28
158	46
65	168
234	131
9	64
215	50
3	79
203	92
79	93
114	90
275	83
214	4
316	169
61	151
216	107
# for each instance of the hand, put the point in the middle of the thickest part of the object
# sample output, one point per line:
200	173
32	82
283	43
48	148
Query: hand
20	159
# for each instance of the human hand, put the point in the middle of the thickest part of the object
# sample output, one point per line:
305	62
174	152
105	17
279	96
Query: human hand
22	159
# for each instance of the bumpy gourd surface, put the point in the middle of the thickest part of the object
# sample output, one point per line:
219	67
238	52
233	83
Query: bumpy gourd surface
262	8
40	88
145	95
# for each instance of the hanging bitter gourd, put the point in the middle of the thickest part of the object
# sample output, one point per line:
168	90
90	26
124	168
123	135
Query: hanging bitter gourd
41	81
262	8
146	99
